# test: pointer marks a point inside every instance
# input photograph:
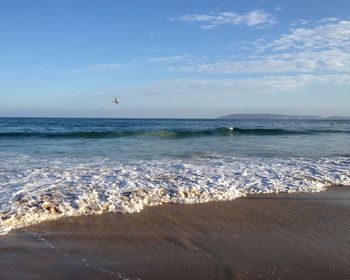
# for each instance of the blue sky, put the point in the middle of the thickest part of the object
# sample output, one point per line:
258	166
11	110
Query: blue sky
174	58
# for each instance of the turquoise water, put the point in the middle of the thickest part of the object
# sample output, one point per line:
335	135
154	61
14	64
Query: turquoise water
123	139
52	168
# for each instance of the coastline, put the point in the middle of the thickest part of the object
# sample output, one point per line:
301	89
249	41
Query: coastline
271	236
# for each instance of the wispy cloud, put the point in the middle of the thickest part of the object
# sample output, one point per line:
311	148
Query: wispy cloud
324	48
334	60
212	20
91	68
231	87
154	33
104	67
279	8
300	22
177	58
329	19
324	35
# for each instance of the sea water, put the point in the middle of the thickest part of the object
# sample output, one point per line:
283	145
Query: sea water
51	168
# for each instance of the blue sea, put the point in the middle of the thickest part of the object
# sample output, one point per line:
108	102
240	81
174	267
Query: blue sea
51	168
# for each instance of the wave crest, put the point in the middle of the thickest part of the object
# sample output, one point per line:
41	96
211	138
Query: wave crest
170	133
59	189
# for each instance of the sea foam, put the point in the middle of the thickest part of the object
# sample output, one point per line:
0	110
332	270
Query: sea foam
33	190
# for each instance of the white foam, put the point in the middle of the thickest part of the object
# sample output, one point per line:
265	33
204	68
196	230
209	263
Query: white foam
32	191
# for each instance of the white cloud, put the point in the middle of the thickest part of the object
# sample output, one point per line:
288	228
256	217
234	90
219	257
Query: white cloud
325	35
90	68
154	33
104	67
170	58
329	19
278	8
333	60
300	22
217	87
324	48
209	21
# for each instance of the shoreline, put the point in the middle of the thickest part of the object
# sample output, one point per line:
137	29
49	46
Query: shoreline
268	236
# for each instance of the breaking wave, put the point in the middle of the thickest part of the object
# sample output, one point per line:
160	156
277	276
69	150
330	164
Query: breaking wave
54	189
170	133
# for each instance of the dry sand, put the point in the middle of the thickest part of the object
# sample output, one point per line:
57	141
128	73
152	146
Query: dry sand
284	236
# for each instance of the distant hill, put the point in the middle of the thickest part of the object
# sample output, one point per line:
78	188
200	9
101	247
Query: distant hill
268	117
338	118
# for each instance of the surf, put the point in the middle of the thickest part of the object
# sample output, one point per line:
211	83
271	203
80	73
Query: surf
169	133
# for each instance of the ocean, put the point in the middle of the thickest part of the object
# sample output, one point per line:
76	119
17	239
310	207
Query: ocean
51	168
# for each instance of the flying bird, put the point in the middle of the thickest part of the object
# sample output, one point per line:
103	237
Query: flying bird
116	101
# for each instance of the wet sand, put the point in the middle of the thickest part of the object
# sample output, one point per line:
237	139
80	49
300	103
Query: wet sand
283	236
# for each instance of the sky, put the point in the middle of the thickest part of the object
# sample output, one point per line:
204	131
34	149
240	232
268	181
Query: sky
174	59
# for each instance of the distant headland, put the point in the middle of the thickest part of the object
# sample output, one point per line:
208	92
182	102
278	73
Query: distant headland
280	117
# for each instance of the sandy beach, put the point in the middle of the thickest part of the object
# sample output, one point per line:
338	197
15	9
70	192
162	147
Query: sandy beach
279	236
174	140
